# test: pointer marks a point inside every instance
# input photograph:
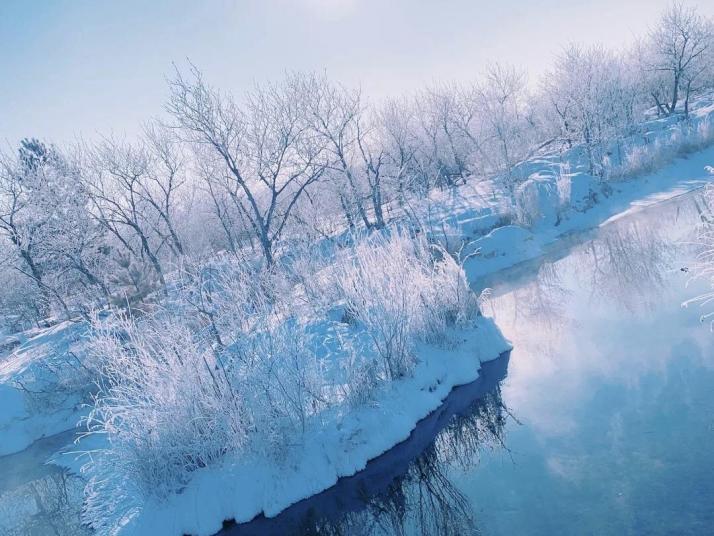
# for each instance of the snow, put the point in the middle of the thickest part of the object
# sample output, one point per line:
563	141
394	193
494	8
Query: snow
510	245
578	190
538	200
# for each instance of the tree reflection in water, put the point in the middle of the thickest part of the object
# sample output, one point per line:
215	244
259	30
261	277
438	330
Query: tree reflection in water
47	505
407	490
629	264
626	267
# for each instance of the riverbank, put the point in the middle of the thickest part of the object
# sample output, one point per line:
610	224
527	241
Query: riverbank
507	246
337	444
469	419
250	487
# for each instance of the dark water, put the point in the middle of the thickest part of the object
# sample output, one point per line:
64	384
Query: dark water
602	424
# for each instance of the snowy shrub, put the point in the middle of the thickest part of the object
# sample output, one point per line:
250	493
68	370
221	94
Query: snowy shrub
537	200
696	137
363	381
171	402
282	380
165	404
640	159
230	295
400	292
703	267
249	314
681	140
447	300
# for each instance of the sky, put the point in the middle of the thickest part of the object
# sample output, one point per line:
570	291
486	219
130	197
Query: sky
85	68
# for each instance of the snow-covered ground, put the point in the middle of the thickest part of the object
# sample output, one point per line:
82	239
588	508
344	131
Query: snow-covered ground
505	246
42	388
38	399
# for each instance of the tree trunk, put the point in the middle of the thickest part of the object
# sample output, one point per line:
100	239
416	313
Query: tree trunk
377	204
686	99
660	107
152	258
675	94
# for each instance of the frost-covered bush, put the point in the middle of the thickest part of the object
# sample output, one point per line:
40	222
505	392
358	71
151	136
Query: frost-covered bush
363	379
537	200
684	138
401	292
171	401
242	362
703	267
281	379
165	404
230	295
250	315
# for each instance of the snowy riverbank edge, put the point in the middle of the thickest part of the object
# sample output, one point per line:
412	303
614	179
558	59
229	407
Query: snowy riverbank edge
504	247
244	486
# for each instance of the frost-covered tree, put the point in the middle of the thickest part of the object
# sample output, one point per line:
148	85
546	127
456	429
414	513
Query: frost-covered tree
448	131
677	57
44	217
27	181
480	129
141	195
163	187
592	99
263	152
353	135
509	125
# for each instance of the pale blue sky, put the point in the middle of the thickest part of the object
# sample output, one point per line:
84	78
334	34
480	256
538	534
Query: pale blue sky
85	67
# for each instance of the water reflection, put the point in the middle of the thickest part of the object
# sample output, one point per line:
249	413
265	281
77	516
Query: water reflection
408	489
629	264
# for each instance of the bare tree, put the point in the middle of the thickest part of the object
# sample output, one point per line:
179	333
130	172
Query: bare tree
680	49
163	182
266	147
118	189
502	105
401	146
448	126
334	112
